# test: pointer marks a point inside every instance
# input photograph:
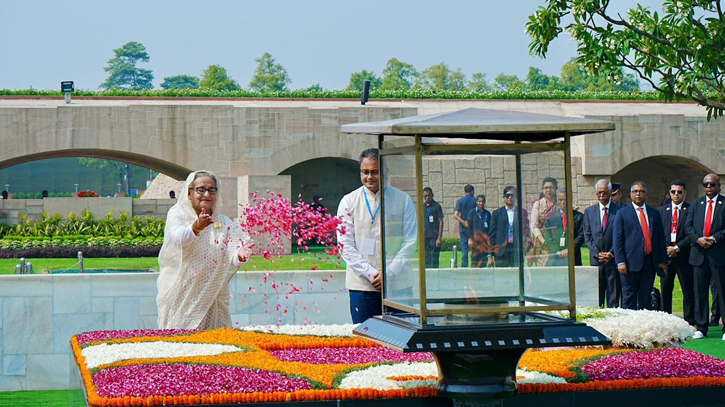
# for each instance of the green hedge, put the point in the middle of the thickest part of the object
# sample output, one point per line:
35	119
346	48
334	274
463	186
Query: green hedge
55	226
18	243
345	94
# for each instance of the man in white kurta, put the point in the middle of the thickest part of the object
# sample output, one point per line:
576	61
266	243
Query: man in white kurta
361	241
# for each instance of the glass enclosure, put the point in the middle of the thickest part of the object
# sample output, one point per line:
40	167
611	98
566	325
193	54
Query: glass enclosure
517	227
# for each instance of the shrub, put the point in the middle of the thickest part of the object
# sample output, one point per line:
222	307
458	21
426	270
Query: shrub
86	225
22	242
72	252
87	194
448	243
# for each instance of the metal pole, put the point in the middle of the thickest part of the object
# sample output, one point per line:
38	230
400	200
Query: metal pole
22	265
421	230
454	259
80	262
570	225
520	227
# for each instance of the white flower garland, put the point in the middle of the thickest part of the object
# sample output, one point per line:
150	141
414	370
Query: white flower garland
377	377
643	328
530	376
342	330
104	353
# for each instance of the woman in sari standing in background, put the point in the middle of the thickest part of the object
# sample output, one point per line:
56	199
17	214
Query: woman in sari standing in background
540	213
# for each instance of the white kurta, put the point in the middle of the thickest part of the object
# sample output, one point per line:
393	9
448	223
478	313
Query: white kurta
362	264
193	288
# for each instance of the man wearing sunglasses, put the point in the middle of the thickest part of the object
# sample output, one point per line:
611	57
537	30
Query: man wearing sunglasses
504	232
673	215
706	229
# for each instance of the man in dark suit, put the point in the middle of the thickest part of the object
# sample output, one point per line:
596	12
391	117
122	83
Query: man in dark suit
504	232
673	216
705	226
598	221
556	236
639	248
478	220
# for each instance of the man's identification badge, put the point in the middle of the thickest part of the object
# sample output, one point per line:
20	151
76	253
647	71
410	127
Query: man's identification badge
562	242
367	246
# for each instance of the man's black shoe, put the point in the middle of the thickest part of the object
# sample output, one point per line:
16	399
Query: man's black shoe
714	321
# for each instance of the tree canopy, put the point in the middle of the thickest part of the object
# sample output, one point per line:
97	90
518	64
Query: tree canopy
269	75
479	83
357	79
123	72
180	82
441	77
398	75
679	50
216	78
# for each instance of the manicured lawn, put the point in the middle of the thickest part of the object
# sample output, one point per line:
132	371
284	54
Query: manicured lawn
305	261
45	398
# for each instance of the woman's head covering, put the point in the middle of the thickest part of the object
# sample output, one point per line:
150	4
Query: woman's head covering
183	201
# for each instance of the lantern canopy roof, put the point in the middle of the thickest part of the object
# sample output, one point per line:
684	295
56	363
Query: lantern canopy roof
484	124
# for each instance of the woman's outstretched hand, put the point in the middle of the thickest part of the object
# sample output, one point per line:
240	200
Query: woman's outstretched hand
202	222
245	253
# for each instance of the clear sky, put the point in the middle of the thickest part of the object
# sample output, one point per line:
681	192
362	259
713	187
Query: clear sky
43	42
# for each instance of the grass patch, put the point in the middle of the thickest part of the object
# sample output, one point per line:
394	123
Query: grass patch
46	398
305	261
712	345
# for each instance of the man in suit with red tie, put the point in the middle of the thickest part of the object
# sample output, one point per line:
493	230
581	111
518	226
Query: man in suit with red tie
673	216
598	220
705	226
639	247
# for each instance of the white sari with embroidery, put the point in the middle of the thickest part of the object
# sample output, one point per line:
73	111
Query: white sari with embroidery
193	285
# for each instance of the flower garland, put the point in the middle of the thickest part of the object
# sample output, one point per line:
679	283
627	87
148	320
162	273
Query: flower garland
154	367
634	328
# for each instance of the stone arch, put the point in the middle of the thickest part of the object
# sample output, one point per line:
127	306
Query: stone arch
346	146
640	137
171	169
658	171
330	178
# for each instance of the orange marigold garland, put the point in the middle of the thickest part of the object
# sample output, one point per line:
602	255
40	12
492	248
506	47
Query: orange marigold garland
321	378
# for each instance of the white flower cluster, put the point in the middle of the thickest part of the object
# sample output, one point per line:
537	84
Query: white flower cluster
530	376
642	329
104	353
317	330
377	377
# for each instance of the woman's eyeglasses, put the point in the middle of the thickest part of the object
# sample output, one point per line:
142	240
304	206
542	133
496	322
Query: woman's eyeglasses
202	191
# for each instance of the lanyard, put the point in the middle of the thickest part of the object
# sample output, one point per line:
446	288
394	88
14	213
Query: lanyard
372	215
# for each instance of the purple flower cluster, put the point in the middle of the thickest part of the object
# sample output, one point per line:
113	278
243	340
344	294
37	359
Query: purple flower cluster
349	356
660	363
93	336
179	379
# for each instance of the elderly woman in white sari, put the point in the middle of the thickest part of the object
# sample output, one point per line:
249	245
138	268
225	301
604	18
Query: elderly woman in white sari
202	250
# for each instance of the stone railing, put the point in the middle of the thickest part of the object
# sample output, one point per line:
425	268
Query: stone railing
39	313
